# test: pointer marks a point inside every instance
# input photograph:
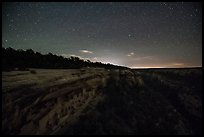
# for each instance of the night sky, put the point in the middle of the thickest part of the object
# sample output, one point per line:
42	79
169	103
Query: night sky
129	34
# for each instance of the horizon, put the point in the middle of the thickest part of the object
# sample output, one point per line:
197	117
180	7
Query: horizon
134	35
168	67
150	67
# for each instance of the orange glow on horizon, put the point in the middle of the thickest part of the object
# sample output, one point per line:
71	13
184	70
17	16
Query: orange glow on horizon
164	67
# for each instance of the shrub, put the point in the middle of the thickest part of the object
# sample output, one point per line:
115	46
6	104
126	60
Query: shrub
33	72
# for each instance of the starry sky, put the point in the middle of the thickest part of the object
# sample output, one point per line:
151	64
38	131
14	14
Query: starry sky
132	34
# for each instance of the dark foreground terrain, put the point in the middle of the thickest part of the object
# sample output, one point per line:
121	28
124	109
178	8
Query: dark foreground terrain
102	101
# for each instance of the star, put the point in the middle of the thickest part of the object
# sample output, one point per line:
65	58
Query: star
171	8
119	28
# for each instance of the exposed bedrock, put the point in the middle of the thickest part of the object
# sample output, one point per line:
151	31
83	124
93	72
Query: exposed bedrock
35	110
102	101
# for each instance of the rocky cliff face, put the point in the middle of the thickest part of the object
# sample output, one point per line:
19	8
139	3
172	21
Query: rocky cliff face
139	102
40	109
99	101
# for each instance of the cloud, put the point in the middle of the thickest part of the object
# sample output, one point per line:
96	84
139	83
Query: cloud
86	51
94	59
131	54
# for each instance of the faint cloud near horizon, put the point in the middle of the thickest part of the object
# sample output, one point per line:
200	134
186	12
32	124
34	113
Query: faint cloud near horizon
93	59
130	54
86	51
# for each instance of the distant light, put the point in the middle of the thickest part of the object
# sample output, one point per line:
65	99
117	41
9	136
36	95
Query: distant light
178	64
145	67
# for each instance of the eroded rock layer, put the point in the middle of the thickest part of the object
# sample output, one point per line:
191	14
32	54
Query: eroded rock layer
34	109
101	101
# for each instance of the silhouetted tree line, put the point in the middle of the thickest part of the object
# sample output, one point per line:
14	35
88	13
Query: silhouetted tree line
12	58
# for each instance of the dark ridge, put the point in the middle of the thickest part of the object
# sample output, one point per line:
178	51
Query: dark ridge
23	59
